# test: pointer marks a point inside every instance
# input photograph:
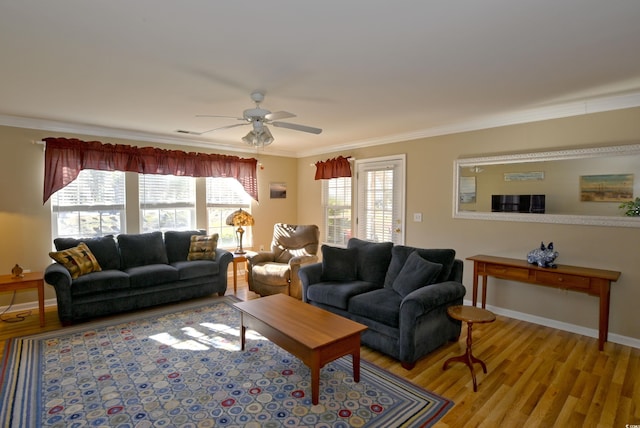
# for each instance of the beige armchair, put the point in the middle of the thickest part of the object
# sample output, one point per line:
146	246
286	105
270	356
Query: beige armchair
276	271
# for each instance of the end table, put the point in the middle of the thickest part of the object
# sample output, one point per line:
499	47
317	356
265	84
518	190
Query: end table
470	315
28	280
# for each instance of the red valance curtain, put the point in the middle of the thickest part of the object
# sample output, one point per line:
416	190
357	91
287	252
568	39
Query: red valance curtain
65	158
333	168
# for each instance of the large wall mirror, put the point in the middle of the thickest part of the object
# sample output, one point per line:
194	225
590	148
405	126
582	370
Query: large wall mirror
578	186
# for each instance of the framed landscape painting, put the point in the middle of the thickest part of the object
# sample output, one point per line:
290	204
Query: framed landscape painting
606	188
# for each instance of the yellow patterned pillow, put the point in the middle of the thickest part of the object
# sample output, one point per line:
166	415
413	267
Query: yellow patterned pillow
203	247
78	260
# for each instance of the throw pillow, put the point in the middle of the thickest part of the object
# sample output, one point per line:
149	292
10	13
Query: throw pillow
203	247
104	248
416	273
78	260
339	264
177	243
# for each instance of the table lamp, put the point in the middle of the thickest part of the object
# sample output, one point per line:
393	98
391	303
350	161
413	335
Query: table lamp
240	218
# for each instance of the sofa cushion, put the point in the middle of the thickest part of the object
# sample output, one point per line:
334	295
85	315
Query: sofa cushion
100	282
203	247
416	273
196	268
104	249
77	260
382	305
339	264
373	259
177	244
150	275
142	249
400	254
338	293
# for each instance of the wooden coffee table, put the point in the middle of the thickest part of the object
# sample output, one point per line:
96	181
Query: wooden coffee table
312	334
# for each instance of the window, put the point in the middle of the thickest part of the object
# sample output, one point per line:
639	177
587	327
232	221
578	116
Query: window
92	205
224	196
167	202
336	204
380	199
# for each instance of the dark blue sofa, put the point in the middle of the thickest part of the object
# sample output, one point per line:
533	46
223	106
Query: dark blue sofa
400	296
138	271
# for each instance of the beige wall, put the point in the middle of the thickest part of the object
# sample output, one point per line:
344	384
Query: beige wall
429	191
26	232
25	223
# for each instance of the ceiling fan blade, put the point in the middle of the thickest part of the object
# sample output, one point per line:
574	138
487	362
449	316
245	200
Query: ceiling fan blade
217	129
277	115
297	127
217	115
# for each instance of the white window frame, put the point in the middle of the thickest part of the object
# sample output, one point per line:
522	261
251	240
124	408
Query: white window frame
391	213
168	197
94	215
331	205
225	195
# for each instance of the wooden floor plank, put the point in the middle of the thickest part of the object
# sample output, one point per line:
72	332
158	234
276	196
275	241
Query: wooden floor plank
537	376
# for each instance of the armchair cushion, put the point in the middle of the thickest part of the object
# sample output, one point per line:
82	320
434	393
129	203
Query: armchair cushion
416	272
400	254
272	273
339	264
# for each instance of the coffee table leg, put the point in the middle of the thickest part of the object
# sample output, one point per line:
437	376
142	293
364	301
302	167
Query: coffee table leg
315	379
243	330
356	364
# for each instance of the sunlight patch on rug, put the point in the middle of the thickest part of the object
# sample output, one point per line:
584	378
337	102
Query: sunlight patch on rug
182	366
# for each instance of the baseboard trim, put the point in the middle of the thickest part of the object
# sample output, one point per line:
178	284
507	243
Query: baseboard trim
572	328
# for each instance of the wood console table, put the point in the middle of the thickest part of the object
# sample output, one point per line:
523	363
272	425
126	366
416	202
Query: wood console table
596	282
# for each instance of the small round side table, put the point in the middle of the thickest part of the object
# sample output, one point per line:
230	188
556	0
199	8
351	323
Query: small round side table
470	315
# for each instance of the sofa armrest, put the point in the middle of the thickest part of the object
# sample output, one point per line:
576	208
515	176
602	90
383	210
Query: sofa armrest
423	300
309	274
59	277
295	263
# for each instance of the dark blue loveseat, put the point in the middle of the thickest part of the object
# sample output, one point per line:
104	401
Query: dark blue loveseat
400	293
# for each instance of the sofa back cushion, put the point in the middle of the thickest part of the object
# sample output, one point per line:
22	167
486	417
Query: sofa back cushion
339	264
400	254
177	244
142	249
416	273
373	259
103	248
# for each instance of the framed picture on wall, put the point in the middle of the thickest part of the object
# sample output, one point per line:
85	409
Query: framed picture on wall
606	188
277	190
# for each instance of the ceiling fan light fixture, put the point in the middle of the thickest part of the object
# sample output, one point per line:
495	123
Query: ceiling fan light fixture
263	138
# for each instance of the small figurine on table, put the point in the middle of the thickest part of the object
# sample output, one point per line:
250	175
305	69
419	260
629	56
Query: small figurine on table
17	271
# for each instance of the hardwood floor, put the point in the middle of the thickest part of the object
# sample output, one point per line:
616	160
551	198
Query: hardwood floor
537	376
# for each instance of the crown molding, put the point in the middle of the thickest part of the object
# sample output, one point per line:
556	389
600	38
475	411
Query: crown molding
556	111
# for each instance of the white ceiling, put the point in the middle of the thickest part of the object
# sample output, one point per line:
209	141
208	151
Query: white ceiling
367	72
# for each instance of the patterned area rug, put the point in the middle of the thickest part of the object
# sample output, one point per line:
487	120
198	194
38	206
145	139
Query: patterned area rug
182	366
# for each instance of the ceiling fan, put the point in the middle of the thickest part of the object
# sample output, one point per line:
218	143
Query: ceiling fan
259	118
